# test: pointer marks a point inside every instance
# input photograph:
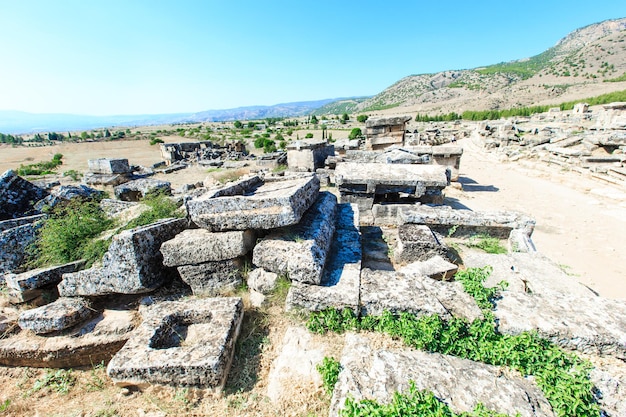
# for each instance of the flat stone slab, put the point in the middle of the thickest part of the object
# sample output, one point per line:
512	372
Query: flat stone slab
17	195
58	315
108	166
445	220
417	243
377	374
137	189
132	265
254	204
95	341
340	284
372	178
20	221
212	278
300	251
181	343
436	268
419	295
25	286
196	246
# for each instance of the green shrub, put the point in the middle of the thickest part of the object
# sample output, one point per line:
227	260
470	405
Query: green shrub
308	136
487	243
160	207
69	234
362	118
73	174
41	168
329	370
154	141
355	133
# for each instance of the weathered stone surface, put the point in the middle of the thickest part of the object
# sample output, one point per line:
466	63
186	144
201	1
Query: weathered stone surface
400	156
105	179
398	292
137	189
587	324
24	286
466	222
254	204
195	246
212	278
460	383
13	245
95	341
371	178
108	166
20	221
609	380
295	366
300	251
58	315
262	281
133	263
307	156
181	343
435	268
66	193
340	284
417	243
17	195
113	207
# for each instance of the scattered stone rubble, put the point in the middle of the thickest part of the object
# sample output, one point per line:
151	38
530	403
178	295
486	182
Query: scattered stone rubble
17	196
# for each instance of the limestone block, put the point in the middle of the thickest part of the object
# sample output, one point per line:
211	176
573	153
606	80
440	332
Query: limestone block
13	245
137	189
262	281
254	204
24	286
417	243
20	221
95	341
340	284
195	246
17	195
300	251
181	343
132	265
105	179
58	315
108	166
212	278
436	268
400	156
397	292
376	374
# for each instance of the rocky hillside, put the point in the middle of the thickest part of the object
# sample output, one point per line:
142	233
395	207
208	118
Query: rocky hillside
587	62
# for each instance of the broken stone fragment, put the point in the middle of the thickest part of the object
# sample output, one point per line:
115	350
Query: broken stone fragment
24	286
17	195
181	343
196	246
262	281
300	251
377	374
137	189
254	204
212	278
108	166
132	265
436	268
417	243
58	315
13	245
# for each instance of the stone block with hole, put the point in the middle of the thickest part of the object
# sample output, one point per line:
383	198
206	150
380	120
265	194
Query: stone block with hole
181	343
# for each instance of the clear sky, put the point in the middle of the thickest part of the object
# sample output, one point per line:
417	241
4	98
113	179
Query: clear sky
159	56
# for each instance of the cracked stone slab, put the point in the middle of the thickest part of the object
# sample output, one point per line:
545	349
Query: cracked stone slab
58	315
254	204
196	246
419	295
96	340
340	284
300	251
376	374
181	343
25	286
212	278
132	264
417	243
436	268
108	166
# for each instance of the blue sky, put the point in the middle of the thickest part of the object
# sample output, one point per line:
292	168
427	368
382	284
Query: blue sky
146	57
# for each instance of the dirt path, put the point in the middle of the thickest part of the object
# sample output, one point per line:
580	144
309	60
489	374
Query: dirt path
581	223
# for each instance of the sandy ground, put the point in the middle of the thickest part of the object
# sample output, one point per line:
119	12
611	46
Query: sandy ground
581	222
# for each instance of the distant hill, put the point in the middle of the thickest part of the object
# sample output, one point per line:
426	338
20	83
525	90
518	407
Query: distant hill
341	106
21	122
587	62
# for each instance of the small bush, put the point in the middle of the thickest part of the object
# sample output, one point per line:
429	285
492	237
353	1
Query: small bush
154	141
362	118
487	243
160	207
355	133
59	381
41	168
329	370
308	136
73	174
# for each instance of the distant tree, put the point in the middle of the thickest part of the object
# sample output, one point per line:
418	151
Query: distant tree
84	135
362	118
279	137
269	146
355	133
238	124
289	132
314	120
107	134
308	136
251	125
345	117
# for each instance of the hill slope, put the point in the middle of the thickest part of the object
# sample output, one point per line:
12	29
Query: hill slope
578	66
